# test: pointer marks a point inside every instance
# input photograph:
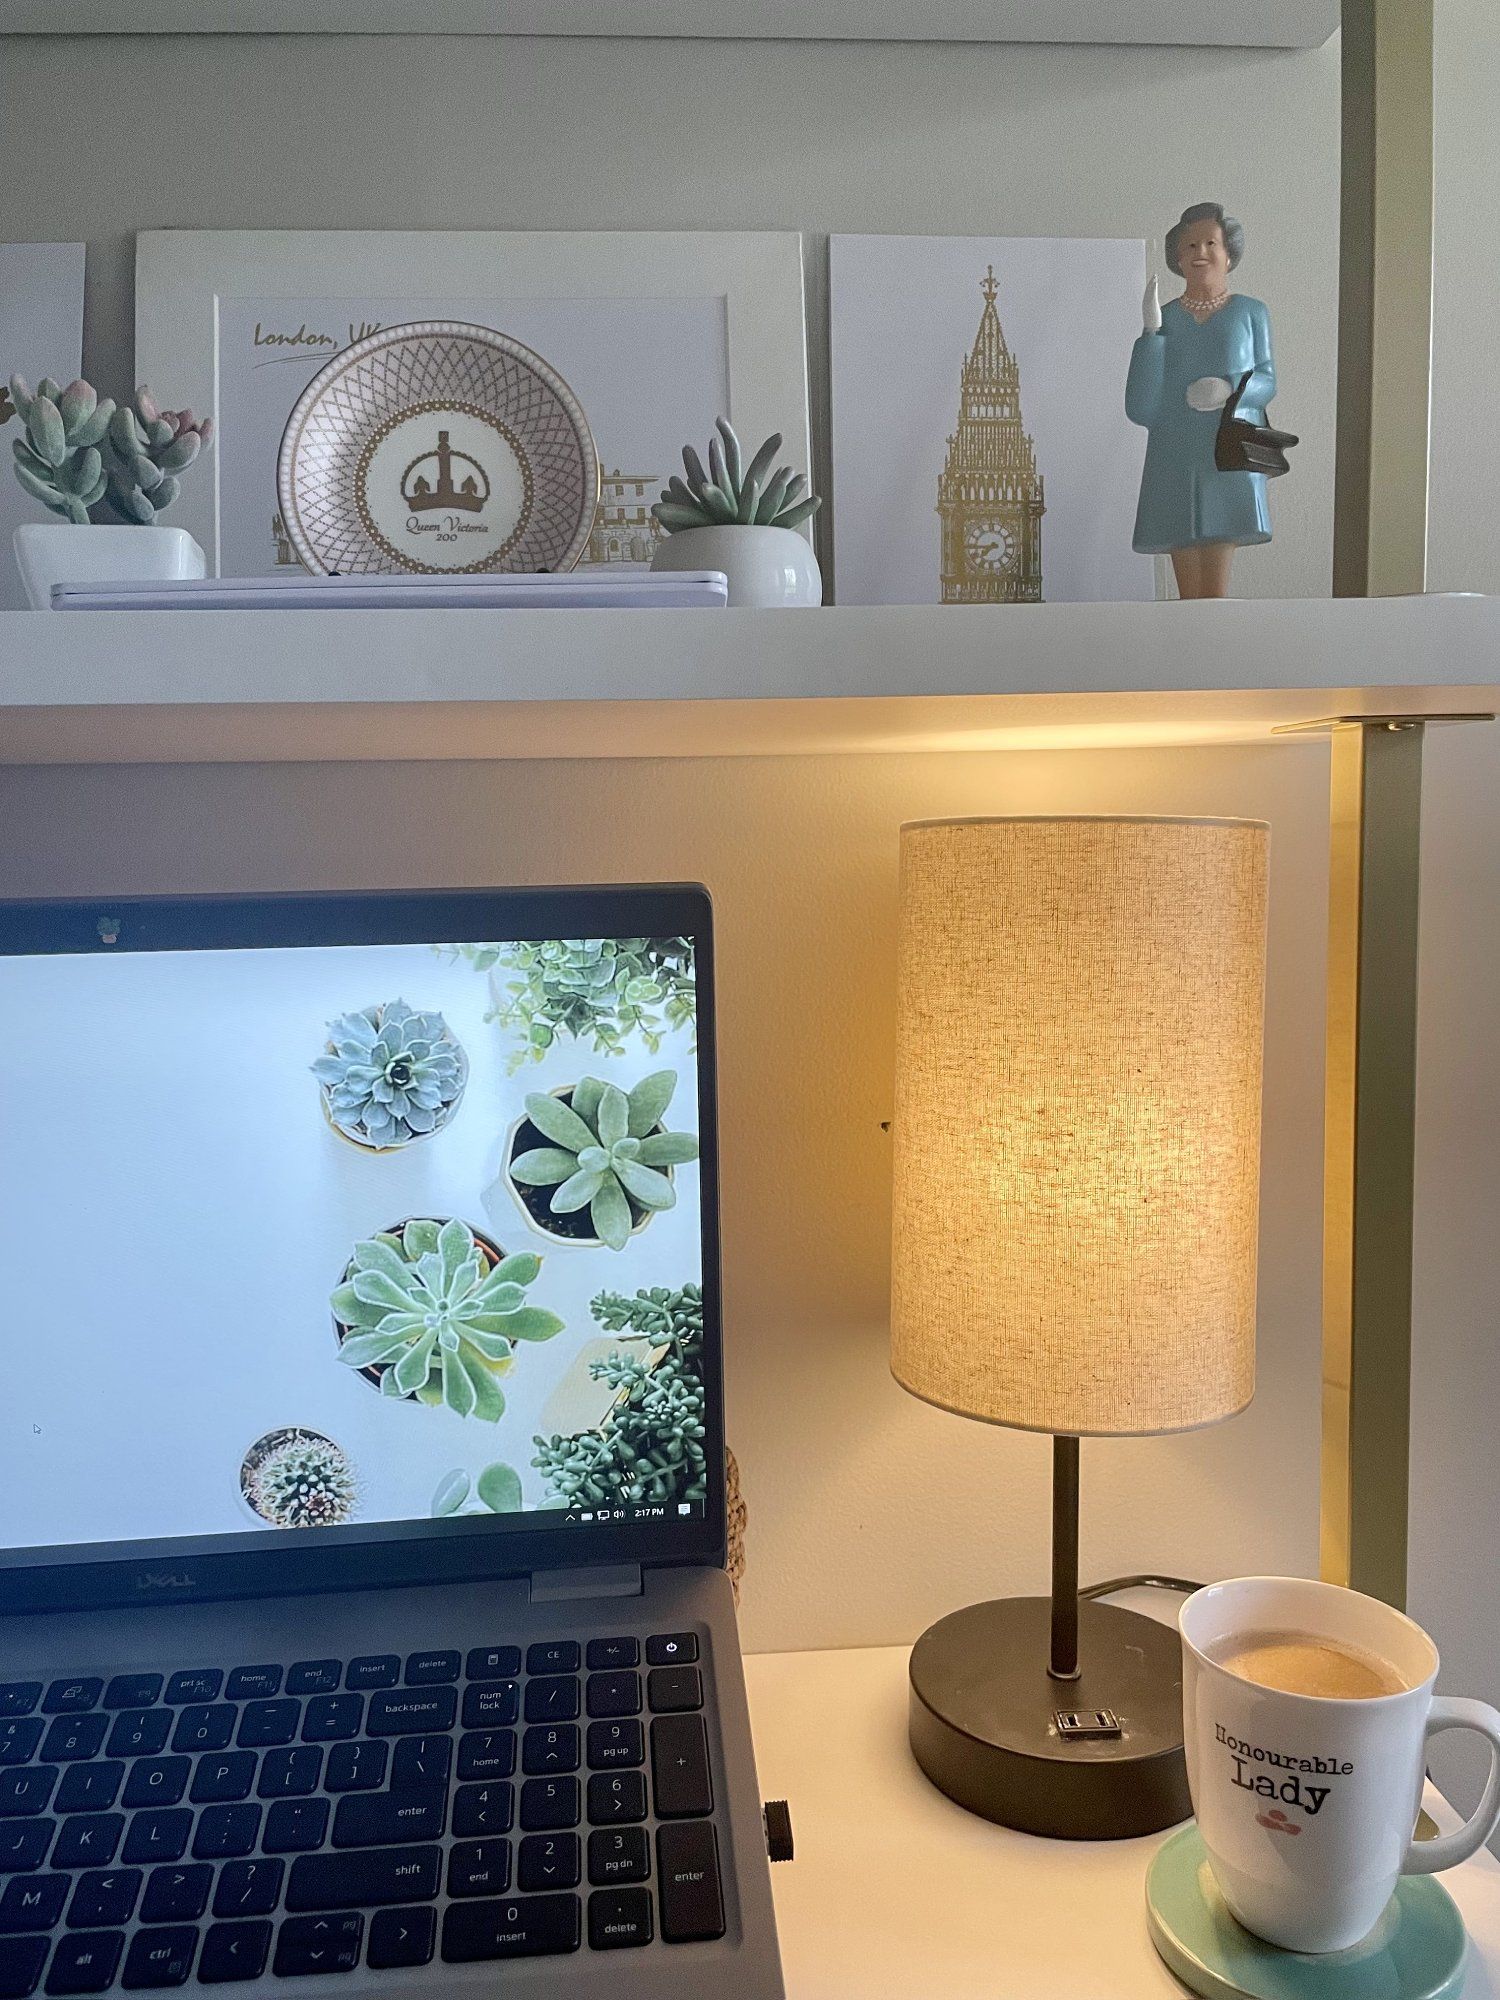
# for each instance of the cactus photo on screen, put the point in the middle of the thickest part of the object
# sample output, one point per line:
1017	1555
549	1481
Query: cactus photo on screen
598	991
594	1163
298	1478
79	451
390	1074
432	1311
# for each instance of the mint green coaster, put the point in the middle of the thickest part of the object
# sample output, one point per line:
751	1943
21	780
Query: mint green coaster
1415	1952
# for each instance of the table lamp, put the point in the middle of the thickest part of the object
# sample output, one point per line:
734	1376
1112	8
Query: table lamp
1077	1138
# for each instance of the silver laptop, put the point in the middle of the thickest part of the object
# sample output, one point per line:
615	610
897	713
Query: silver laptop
364	1620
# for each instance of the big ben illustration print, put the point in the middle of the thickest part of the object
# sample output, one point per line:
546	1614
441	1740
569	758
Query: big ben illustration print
990	498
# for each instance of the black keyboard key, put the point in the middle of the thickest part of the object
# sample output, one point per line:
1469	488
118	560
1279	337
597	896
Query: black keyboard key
332	1718
619	1917
528	1927
234	1952
159	1958
604	1654
18	1739
549	1861
205	1726
88	1840
308	1945
619	1854
290	1774
266	1724
378	1819
681	1782
431	1669
479	1868
617	1798
545	1751
360	1767
420	1762
372	1670
480	1810
89	1788
85	1962
225	1831
198	1684
687	1877
673	1690
411	1712
671	1649
21	1962
487	1753
159	1834
616	1745
73	1737
373	1875
104	1897
24	1844
248	1888
552	1656
33	1902
224	1779
72	1697
614	1694
26	1790
492	1706
401	1937
157	1781
552	1698
177	1895
295	1826
315	1677
140	1732
486	1663
133	1691
21	1697
253	1684
548	1804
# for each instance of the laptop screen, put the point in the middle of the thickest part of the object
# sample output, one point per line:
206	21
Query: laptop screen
321	1237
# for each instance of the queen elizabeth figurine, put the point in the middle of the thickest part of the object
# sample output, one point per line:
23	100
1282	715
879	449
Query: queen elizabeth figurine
1183	370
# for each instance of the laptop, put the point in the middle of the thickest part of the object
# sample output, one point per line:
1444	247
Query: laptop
364	1617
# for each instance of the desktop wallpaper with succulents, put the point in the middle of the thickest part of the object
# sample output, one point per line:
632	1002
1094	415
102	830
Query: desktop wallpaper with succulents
374	1233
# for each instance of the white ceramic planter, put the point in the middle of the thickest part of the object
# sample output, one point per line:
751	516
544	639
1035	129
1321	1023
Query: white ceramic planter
49	552
765	566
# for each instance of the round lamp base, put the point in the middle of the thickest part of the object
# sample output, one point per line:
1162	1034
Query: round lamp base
1096	1758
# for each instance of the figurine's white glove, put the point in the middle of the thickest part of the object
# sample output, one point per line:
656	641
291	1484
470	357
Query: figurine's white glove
1209	392
1151	306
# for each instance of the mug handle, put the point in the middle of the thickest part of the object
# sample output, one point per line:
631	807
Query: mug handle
1426	1857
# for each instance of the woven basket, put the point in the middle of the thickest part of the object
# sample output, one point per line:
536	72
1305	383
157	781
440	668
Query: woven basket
734	1514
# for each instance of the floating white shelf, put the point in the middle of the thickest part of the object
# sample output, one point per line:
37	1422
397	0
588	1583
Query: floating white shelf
1239	23
238	687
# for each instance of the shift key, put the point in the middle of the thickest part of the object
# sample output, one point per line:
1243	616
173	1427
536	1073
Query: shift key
687	1878
379	1875
375	1819
679	1765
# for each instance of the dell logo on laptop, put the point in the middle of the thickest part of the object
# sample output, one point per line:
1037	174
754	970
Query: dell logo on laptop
165	1579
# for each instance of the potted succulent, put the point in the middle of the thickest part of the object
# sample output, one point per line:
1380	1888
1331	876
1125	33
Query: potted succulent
83	457
431	1311
297	1478
592	990
390	1074
741	519
592	1164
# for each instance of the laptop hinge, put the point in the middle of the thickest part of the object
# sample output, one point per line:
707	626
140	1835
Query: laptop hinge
556	1586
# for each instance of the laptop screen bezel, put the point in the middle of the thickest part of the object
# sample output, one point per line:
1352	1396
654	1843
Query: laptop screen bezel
380	1554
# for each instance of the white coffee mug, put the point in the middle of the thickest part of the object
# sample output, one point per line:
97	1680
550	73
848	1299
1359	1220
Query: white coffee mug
1306	1803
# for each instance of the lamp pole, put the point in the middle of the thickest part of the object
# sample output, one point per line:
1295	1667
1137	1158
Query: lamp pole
1063	1662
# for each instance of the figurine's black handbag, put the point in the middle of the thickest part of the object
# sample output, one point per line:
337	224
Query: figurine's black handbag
1240	446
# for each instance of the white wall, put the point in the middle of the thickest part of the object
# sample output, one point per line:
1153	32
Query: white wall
308	131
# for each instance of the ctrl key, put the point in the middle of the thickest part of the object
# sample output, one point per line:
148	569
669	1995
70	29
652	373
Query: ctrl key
687	1875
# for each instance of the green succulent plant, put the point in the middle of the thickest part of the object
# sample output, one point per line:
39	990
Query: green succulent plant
593	990
146	449
651	1449
58	456
606	1154
497	1490
391	1074
732	492
427	1309
305	1482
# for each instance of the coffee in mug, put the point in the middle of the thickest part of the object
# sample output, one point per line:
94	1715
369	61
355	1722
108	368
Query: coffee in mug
1307	1710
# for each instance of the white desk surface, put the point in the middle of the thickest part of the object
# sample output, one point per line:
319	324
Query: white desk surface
896	1891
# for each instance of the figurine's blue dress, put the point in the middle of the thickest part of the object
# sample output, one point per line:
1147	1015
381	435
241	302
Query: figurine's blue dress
1185	500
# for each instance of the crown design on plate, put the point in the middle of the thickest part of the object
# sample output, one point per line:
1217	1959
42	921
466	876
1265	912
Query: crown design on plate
422	492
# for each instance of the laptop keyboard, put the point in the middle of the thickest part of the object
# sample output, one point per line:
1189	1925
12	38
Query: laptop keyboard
215	1825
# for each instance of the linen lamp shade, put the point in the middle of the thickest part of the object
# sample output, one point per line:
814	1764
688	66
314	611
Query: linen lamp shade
1077	1120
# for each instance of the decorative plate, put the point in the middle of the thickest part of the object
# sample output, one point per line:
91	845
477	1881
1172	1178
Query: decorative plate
437	447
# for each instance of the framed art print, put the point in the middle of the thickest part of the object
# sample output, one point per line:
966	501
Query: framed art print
654	334
981	452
